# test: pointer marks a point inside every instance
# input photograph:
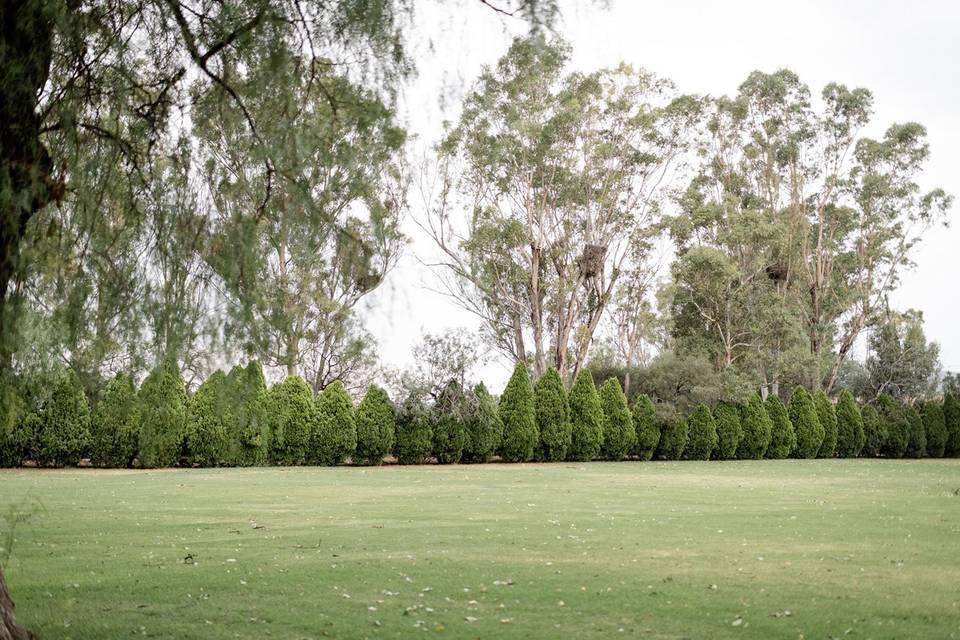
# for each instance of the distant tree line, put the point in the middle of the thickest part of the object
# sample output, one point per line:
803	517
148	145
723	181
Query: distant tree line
234	419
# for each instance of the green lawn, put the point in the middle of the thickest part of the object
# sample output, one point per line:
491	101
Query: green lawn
814	549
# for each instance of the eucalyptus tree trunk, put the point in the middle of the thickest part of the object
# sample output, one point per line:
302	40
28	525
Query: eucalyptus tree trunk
9	629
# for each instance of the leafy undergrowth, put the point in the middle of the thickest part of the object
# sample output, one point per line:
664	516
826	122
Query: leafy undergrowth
815	549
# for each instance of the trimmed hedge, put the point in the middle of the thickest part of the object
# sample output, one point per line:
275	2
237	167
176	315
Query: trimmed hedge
65	429
916	434
895	427
850	434
413	442
757	428
113	424
162	416
783	439
645	426
483	426
874	435
827	415
586	419
726	416
247	420
934	428
519	416
553	416
618	433
208	410
702	434
449	431
376	425
334	434
293	422
951	418
806	424
673	439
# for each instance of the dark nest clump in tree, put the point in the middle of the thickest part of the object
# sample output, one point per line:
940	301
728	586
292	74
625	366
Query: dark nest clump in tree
777	271
591	260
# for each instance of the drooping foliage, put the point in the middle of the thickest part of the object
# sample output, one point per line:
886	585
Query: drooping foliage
916	434
376	426
757	430
783	439
850	433
553	417
827	415
806	424
293	421
645	426
162	414
334	438
113	424
702	434
208	412
484	427
520	434
450	413
935	428
726	416
65	432
413	442
619	435
586	419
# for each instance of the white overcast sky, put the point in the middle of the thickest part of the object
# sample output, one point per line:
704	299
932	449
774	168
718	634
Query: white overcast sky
906	53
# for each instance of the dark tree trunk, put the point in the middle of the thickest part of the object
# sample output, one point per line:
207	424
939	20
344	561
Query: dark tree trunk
26	170
9	630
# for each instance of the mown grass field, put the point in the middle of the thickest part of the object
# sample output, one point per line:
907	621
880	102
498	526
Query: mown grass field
812	549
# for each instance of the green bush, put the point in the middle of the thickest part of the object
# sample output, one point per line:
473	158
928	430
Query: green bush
208	411
483	426
162	415
334	437
916	434
757	430
65	431
376	425
19	427
951	418
895	427
450	413
247	421
783	439
935	429
586	419
645	426
806	425
673	438
850	434
618	433
294	421
874	435
413	442
701	434
113	424
729	430
553	416
520	434
827	415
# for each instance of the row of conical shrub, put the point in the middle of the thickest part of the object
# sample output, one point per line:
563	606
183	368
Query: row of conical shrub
235	420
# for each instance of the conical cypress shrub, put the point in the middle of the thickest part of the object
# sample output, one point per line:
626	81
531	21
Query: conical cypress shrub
827	415
520	434
208	411
162	413
806	425
618	434
247	421
65	434
450	413
896	427
293	421
935	429
729	430
850	436
874	434
702	434
553	416
413	441
673	438
113	424
783	439
16	434
757	429
586	419
484	429
645	426
951	418
334	439
917	437
376	425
